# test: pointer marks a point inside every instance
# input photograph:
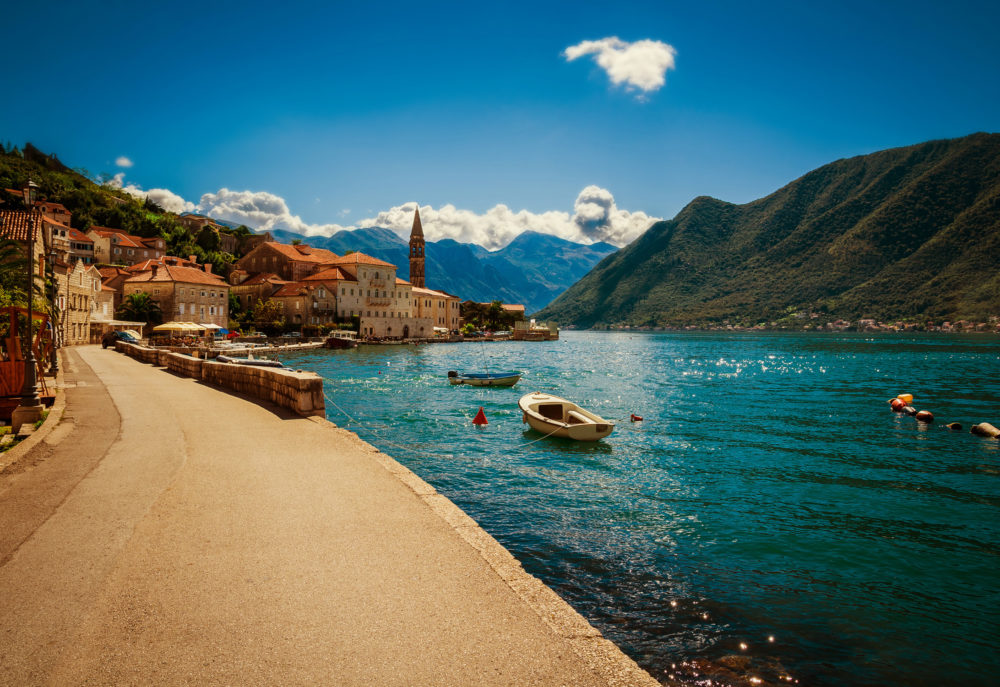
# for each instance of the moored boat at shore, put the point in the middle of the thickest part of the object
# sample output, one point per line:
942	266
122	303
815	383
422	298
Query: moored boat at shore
505	378
558	417
341	339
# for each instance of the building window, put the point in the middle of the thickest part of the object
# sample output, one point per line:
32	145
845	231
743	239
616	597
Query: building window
181	309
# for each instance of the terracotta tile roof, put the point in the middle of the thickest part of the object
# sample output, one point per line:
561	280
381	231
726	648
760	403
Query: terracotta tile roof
402	282
79	236
108	273
262	277
164	260
303	253
16	225
54	223
124	239
419	290
512	307
173	273
294	288
362	259
330	274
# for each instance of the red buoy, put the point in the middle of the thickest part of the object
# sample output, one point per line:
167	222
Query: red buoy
635	418
925	416
897	404
480	418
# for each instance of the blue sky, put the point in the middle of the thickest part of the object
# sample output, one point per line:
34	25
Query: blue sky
316	116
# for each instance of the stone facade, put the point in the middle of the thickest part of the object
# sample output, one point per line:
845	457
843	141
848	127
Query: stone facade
79	293
291	263
114	246
185	294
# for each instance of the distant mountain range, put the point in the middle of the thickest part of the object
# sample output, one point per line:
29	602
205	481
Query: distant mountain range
532	269
909	233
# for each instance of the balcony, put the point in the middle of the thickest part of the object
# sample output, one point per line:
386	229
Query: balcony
378	300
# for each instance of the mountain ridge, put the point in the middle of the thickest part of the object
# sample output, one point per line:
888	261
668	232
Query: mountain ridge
904	233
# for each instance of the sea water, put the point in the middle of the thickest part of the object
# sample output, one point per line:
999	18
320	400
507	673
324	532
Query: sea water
769	519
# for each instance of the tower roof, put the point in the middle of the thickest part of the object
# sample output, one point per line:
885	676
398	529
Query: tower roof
418	229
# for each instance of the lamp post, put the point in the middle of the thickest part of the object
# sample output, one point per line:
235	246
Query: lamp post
53	322
30	407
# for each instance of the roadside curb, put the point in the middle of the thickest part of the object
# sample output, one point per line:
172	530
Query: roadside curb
51	422
602	656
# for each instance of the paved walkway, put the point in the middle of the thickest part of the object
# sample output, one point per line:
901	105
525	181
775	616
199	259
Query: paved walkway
170	533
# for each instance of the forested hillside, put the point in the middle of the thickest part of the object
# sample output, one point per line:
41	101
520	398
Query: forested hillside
909	233
101	205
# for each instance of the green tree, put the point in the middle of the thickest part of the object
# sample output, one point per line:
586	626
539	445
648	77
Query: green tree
268	316
140	307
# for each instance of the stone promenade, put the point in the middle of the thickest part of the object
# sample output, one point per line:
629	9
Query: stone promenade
166	532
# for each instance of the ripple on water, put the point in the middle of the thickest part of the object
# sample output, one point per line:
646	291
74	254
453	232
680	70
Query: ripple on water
768	493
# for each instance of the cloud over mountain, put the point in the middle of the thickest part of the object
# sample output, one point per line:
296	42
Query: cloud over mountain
642	65
595	217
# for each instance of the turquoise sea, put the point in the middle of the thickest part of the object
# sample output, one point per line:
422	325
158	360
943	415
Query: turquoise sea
770	519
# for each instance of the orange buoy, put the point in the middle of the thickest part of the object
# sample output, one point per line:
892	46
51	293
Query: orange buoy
897	404
924	416
480	418
907	398
635	418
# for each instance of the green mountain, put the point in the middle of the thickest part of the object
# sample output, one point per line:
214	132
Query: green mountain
904	234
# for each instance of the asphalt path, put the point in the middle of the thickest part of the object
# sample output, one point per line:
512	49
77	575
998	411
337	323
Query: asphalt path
166	532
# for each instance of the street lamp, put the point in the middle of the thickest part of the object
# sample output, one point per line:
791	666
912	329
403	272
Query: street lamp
53	322
30	408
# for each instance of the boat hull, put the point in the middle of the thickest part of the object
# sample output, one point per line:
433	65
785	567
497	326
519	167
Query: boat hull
558	417
498	379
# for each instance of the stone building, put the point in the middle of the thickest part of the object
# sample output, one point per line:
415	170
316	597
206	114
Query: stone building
79	295
115	246
291	263
185	294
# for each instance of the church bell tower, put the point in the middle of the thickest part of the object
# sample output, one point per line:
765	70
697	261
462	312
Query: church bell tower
417	251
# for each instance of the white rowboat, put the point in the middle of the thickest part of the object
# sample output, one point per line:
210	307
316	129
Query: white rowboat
561	418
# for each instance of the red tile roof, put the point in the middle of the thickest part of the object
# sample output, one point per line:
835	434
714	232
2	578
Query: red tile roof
186	275
294	288
303	253
330	274
262	277
18	225
79	236
402	282
164	260
362	259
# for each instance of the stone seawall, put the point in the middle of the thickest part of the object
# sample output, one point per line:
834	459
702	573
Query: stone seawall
301	392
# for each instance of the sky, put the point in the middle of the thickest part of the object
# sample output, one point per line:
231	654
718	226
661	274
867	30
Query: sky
586	120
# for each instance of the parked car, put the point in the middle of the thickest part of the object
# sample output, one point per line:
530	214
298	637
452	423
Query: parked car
294	334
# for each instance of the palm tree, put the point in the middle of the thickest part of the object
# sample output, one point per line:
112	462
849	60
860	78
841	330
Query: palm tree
140	307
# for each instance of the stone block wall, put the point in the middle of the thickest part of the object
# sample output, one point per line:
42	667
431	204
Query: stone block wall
301	392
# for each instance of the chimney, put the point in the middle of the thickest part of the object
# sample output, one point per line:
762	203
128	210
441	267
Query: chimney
208	268
193	258
155	268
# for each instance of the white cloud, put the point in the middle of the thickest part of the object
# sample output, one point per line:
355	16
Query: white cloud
641	66
123	162
261	210
595	217
166	199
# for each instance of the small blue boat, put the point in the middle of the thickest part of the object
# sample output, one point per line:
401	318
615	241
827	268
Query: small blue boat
505	378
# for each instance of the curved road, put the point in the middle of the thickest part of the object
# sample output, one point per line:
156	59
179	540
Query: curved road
169	533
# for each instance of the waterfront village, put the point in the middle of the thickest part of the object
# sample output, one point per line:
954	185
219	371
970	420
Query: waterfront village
106	279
